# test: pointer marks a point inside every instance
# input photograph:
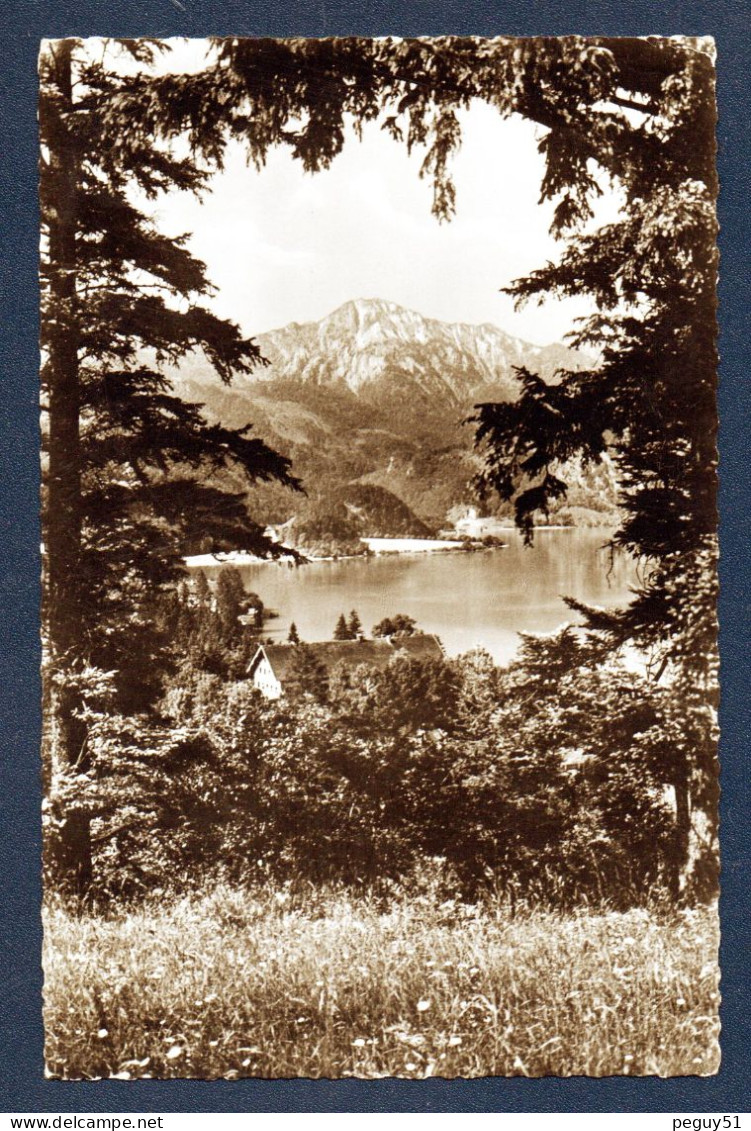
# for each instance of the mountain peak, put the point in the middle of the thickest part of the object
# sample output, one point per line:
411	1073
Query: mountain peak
376	348
364	311
360	313
388	354
372	323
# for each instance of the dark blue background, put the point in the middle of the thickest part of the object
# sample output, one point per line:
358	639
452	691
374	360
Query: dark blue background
23	23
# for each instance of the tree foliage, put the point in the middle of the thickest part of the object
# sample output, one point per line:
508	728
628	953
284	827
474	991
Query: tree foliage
650	398
232	601
142	461
303	789
201	626
354	625
129	469
307	675
399	625
341	631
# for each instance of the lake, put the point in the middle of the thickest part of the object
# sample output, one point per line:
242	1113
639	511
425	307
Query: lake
467	599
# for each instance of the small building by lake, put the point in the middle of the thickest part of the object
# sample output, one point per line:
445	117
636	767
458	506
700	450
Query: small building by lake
272	664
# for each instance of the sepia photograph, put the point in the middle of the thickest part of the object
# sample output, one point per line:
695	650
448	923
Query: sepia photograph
379	557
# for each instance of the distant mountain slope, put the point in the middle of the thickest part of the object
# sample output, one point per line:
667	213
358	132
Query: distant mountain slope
376	348
376	395
335	521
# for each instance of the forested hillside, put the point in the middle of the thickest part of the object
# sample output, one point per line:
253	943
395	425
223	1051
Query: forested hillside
378	395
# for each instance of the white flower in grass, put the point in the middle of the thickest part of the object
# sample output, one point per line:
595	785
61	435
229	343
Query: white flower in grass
454	1041
359	1043
423	1006
173	1052
102	1033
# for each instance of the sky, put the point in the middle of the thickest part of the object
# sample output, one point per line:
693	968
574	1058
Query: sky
281	245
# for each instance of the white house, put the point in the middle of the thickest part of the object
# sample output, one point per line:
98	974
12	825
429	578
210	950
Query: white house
270	665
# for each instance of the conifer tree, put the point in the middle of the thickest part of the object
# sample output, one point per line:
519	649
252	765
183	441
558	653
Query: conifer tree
649	400
637	112
128	465
293	637
354	625
307	675
341	631
128	482
201	588
231	600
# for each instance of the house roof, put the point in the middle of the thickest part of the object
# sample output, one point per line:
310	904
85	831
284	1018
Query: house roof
373	653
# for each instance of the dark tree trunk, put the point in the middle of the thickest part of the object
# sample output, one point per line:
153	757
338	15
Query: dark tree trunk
62	505
62	518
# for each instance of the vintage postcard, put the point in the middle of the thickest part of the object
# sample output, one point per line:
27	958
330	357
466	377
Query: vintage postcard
379	523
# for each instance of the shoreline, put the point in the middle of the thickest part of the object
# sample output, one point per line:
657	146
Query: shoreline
233	557
412	545
375	547
386	546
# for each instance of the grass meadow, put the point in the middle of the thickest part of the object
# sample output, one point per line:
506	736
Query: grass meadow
274	984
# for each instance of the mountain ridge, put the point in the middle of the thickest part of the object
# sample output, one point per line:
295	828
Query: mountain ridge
389	306
375	394
367	343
